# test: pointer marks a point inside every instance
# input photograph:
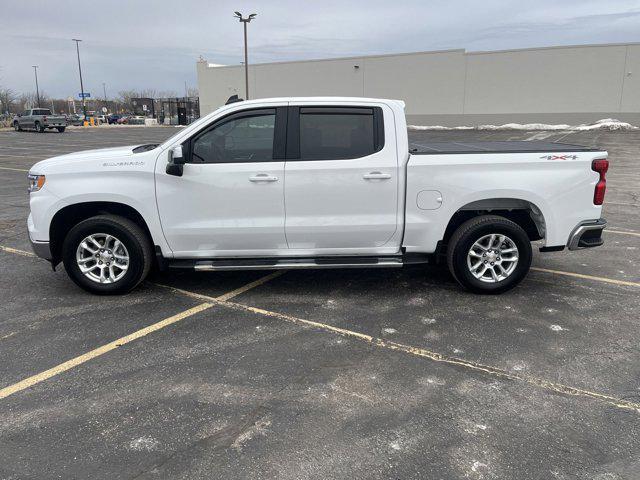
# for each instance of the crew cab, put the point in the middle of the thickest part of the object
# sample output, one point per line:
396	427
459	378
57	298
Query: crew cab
317	182
39	119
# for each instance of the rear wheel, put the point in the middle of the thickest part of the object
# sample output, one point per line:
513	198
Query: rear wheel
107	254
39	127
489	254
61	129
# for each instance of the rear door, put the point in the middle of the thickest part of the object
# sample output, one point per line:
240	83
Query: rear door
341	179
26	121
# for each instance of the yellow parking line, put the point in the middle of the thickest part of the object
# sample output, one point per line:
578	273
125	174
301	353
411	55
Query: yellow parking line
74	362
15	251
14	169
79	360
424	353
620	232
588	277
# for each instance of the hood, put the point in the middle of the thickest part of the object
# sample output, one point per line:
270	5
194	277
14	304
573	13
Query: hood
83	157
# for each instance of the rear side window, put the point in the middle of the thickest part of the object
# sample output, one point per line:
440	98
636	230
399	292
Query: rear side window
337	133
42	111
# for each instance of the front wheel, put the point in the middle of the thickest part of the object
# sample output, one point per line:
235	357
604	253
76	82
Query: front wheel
16	126
107	254
489	254
39	127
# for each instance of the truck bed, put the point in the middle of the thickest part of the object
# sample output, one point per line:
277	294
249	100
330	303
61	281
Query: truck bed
475	146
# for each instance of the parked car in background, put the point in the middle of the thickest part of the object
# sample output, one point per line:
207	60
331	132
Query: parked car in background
123	120
113	118
136	120
39	119
75	119
291	183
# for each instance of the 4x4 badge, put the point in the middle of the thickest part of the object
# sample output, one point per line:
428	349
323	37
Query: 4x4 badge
559	157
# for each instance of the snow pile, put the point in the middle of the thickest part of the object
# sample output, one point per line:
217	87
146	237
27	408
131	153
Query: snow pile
604	124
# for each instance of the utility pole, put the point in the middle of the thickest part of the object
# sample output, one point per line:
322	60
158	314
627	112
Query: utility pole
35	70
245	21
84	104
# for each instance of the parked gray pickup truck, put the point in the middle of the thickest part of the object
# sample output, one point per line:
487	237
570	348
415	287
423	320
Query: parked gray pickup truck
39	119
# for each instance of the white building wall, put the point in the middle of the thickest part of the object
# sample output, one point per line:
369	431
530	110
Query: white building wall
559	84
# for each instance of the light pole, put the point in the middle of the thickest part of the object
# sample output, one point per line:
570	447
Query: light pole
84	104
244	21
104	90
35	70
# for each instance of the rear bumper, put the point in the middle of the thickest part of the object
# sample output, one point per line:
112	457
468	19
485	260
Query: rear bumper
587	234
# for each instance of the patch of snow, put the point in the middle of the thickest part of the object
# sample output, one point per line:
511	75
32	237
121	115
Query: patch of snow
478	465
428	321
389	330
144	444
604	124
557	328
395	445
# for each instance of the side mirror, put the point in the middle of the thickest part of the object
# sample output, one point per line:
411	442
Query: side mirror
175	166
176	155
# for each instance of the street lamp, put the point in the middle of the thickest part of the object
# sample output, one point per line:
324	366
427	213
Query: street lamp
35	70
84	105
244	21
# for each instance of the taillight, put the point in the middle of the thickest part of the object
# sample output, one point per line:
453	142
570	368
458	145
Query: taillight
44	119
601	166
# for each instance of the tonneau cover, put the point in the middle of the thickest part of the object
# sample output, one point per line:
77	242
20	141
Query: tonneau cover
473	146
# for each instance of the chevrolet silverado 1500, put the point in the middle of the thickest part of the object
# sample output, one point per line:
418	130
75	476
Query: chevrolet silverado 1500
290	183
39	119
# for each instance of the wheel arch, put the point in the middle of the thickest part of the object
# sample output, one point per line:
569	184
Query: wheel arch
523	212
70	215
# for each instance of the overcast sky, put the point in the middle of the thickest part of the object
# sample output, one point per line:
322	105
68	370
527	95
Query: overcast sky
138	44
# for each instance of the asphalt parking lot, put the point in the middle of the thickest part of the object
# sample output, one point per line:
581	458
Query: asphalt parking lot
322	374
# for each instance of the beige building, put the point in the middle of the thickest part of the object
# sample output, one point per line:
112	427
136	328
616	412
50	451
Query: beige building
574	84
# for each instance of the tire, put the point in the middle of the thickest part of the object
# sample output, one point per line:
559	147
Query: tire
61	129
39	127
17	127
136	244
461	259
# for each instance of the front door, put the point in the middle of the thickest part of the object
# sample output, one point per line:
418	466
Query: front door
230	199
341	181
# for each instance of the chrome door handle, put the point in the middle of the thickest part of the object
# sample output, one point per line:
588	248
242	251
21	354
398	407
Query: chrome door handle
263	177
376	176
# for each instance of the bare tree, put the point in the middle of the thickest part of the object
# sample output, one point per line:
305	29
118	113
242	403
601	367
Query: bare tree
167	94
8	101
193	92
30	100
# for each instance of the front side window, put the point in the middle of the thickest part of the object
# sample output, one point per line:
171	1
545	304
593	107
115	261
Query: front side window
332	134
248	138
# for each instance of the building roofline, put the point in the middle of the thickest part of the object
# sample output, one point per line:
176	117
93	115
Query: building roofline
430	52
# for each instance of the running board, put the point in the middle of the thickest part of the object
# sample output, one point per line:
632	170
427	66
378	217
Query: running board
211	265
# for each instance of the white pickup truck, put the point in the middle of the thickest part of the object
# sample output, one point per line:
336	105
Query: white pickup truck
313	183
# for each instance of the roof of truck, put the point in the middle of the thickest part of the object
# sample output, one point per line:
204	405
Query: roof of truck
474	146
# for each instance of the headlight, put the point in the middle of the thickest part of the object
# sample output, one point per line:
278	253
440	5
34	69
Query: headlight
35	182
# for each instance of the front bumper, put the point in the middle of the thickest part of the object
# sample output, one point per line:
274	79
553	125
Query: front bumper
587	234
41	249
